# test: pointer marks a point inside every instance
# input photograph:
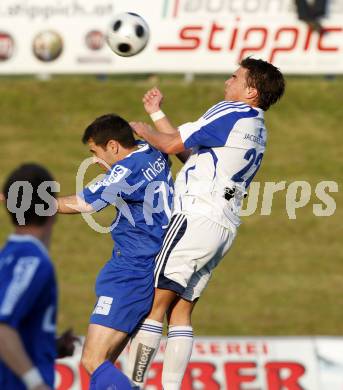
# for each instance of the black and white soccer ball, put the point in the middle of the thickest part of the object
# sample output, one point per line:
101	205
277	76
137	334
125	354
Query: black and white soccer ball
128	34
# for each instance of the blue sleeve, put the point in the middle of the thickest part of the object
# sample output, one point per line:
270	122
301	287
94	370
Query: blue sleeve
113	187
214	130
95	195
107	190
211	135
31	277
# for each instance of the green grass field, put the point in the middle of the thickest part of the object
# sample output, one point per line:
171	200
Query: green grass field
282	276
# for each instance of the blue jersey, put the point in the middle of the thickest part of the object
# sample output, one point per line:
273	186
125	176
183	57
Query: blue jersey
141	188
28	300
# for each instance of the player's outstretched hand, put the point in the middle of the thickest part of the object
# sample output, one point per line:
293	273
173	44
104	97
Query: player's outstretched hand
65	343
152	100
140	128
2	197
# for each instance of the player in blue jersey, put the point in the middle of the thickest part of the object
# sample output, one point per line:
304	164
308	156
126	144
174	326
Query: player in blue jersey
226	146
28	291
139	183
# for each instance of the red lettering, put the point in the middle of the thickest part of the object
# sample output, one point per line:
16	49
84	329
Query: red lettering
242	41
250	32
234	37
156	379
308	38
188	34
234	348
278	381
199	348
196	371
215	348
84	378
200	372
234	376
214	29
251	348
325	33
295	33
66	375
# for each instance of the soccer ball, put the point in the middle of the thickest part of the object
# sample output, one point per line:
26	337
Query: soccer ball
128	35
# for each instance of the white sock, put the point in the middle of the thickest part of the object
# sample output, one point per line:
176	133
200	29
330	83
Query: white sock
143	348
176	356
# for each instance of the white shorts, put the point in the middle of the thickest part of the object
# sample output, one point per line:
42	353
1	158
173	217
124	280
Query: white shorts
192	248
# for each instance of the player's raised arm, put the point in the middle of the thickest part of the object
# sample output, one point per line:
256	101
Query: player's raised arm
170	143
152	101
73	204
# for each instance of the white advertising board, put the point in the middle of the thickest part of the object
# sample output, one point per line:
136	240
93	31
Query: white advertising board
256	363
187	36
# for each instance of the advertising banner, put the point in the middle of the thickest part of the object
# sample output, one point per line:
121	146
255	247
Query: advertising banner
256	363
187	36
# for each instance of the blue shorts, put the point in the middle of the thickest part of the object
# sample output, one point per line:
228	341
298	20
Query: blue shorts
124	297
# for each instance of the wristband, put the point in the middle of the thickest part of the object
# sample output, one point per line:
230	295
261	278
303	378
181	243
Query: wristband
32	378
156	116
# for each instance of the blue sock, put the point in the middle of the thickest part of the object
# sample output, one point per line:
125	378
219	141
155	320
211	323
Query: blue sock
108	377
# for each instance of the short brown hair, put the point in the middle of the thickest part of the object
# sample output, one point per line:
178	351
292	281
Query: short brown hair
109	127
34	175
266	78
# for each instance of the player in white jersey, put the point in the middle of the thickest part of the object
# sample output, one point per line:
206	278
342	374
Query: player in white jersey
226	147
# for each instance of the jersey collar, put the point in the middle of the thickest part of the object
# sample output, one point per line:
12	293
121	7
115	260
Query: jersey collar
29	238
142	147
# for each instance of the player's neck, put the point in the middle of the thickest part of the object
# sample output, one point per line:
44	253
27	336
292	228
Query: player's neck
250	102
40	232
124	152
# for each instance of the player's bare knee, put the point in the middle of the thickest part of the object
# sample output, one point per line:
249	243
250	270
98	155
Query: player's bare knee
162	301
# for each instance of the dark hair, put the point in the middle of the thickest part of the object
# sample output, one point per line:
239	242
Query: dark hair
266	78
34	175
109	127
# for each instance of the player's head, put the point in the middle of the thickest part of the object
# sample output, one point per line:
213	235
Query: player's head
109	137
255	82
29	193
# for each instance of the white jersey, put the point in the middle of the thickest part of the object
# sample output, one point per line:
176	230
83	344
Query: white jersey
227	144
